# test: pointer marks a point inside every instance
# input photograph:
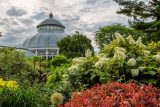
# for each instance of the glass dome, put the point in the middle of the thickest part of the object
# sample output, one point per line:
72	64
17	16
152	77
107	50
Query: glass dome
44	43
44	40
50	31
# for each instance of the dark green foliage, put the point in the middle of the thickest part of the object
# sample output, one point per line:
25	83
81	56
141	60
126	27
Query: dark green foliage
106	34
58	60
13	62
29	97
36	58
74	45
146	16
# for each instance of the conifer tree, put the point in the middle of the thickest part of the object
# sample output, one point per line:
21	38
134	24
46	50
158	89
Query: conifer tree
145	16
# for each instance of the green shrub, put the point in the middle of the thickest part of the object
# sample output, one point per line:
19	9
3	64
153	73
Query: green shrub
22	98
58	60
13	63
83	73
57	74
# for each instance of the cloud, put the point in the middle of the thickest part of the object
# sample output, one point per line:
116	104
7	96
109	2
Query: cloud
19	18
27	22
40	16
14	11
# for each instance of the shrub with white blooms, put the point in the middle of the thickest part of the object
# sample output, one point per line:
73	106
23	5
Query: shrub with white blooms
119	53
102	61
131	40
88	53
131	62
157	57
79	61
134	72
146	53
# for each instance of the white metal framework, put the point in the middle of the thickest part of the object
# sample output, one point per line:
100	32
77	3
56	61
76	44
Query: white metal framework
47	53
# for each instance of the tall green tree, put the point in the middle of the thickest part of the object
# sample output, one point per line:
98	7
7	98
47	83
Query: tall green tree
107	33
74	45
145	16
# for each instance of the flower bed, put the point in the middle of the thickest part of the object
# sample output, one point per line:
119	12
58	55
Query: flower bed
117	95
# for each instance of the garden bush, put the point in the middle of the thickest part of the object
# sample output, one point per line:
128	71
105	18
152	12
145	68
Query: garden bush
13	64
58	60
57	74
116	95
57	81
122	60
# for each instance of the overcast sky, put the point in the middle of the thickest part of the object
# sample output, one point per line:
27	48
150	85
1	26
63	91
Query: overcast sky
19	18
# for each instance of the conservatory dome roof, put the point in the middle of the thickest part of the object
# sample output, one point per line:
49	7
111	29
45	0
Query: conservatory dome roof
50	31
50	21
43	40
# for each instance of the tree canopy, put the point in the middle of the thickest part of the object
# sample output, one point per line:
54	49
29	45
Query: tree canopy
145	16
107	33
74	45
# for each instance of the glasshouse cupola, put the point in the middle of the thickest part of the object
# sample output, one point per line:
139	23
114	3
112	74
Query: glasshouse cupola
44	43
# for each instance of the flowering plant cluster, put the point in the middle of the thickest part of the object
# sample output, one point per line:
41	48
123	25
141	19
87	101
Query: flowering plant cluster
122	60
9	84
116	95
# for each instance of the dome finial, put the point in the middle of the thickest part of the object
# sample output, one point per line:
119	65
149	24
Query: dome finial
51	15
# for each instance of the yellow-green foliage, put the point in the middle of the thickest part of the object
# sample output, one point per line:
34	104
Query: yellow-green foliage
154	47
9	84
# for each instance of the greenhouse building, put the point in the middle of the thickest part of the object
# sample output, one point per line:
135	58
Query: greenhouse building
44	43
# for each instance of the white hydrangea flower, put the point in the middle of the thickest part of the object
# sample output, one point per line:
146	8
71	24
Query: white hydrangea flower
98	64
139	58
141	68
73	68
146	53
100	55
120	49
119	53
139	42
88	53
134	72
102	61
131	40
79	61
157	57
131	62
119	37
